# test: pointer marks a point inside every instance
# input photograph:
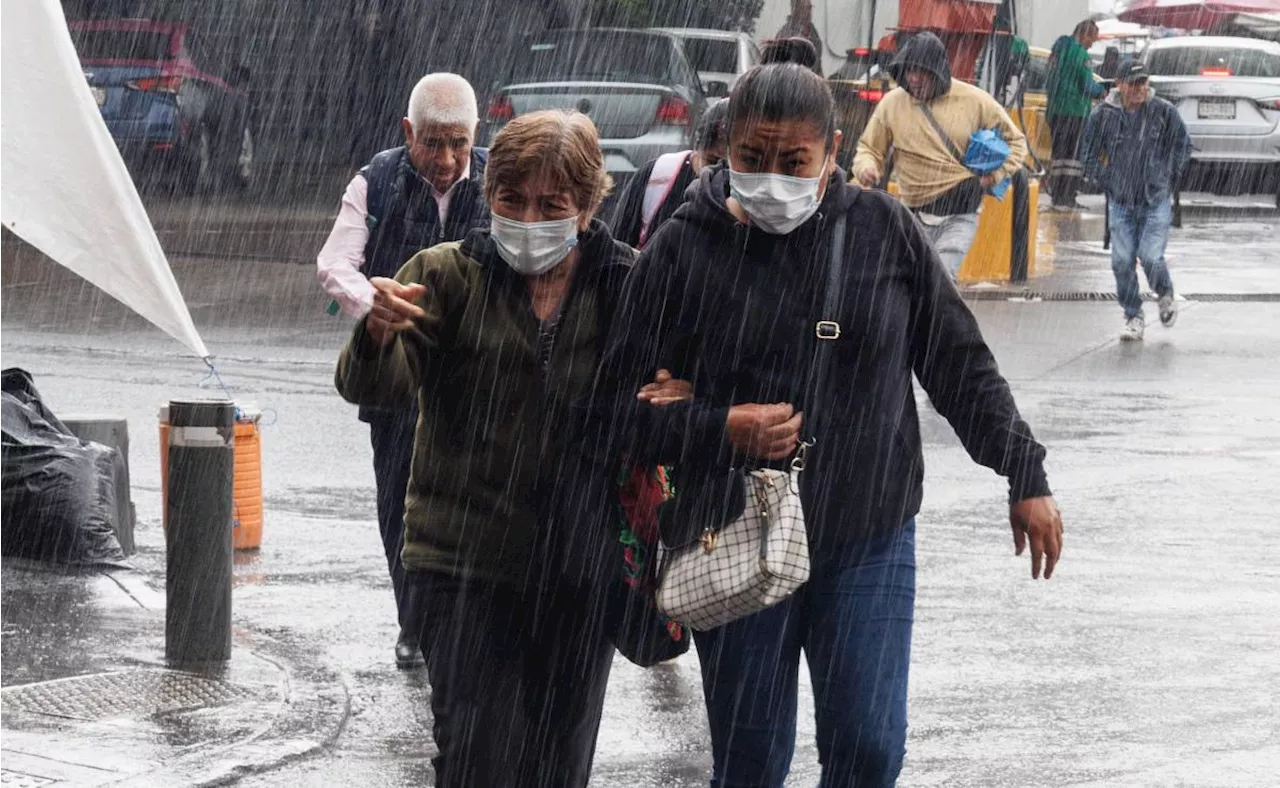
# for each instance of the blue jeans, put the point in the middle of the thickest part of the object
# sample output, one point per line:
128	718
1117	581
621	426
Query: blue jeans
853	620
1139	233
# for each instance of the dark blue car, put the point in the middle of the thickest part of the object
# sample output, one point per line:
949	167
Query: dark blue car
178	111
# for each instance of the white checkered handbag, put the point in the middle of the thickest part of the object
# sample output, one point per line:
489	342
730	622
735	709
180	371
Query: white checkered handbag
754	562
762	556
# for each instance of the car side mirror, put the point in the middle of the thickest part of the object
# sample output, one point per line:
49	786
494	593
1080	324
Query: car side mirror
715	88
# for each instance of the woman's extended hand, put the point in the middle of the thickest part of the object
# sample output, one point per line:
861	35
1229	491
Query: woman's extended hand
767	432
665	390
393	309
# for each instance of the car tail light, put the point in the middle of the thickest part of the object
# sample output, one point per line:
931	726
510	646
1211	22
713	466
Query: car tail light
1269	103
501	109
672	111
1215	71
871	95
171	84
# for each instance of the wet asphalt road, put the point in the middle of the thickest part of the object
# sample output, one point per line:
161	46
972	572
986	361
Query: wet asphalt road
1149	660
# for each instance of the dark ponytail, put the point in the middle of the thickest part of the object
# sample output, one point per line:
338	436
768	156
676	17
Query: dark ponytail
787	91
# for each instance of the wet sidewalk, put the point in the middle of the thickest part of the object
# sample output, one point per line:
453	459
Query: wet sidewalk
87	699
1222	252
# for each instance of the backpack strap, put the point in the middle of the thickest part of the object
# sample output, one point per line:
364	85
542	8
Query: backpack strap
661	181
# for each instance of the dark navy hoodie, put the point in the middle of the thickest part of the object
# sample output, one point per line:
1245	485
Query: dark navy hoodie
732	309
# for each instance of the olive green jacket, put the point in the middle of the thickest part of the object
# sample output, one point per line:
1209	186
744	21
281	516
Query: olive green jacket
496	434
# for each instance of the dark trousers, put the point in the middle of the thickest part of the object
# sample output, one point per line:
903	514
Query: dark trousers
1066	171
391	433
517	681
853	621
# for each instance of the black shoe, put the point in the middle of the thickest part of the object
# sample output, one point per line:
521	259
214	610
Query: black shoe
408	654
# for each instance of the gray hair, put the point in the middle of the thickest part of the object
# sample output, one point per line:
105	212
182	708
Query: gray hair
443	98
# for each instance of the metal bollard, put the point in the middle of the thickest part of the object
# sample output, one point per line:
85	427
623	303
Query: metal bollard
197	626
1020	242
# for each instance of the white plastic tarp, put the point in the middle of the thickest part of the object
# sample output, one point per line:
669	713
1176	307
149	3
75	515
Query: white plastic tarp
66	190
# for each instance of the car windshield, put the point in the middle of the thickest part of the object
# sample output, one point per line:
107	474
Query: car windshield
598	56
709	54
1213	61
119	44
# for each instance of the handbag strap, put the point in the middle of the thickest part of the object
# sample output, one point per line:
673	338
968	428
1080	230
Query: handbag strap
826	330
942	135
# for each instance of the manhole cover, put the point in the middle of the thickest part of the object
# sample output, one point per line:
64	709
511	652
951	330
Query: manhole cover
12	779
131	693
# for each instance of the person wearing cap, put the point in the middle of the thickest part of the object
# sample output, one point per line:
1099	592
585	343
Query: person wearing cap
928	121
1136	148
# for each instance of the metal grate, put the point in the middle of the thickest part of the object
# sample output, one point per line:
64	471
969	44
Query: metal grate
133	693
12	779
1077	295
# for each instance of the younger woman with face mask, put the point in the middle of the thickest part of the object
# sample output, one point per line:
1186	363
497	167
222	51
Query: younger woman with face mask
730	296
496	337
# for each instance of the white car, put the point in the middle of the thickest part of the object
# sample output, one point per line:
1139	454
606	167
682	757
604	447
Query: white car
1227	91
719	56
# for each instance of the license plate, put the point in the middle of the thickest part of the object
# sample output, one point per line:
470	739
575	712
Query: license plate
99	94
1217	110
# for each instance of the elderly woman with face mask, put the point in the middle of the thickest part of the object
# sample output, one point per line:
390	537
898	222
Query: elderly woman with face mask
733	296
497	337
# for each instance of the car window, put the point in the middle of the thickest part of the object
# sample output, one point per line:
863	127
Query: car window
1213	61
709	54
1036	73
114	44
595	56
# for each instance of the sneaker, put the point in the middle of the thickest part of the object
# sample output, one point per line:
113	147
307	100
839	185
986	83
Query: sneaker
1133	328
1168	311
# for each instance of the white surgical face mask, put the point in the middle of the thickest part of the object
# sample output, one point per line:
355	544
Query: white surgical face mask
776	203
533	248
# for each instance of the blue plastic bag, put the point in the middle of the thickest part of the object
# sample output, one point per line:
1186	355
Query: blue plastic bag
987	153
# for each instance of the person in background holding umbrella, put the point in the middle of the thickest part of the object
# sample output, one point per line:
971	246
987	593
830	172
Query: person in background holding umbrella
1136	148
1072	89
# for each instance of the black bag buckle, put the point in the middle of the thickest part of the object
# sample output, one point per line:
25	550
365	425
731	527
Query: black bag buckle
827	329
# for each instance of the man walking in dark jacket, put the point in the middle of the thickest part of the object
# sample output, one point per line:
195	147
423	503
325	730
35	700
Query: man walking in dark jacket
426	192
1072	89
1136	148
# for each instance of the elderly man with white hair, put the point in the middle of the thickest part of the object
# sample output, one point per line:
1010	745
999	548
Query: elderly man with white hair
426	192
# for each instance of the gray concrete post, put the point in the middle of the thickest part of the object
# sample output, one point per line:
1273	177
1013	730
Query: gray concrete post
199	510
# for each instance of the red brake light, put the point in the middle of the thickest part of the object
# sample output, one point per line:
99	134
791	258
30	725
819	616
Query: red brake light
872	96
1269	103
673	111
500	109
170	84
1215	71
861	52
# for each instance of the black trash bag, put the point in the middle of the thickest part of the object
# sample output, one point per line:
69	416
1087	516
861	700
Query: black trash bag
57	491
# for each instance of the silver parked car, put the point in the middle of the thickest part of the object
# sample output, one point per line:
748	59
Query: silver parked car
1227	91
635	85
719	56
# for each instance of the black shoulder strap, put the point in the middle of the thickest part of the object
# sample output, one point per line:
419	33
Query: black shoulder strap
937	127
826	330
